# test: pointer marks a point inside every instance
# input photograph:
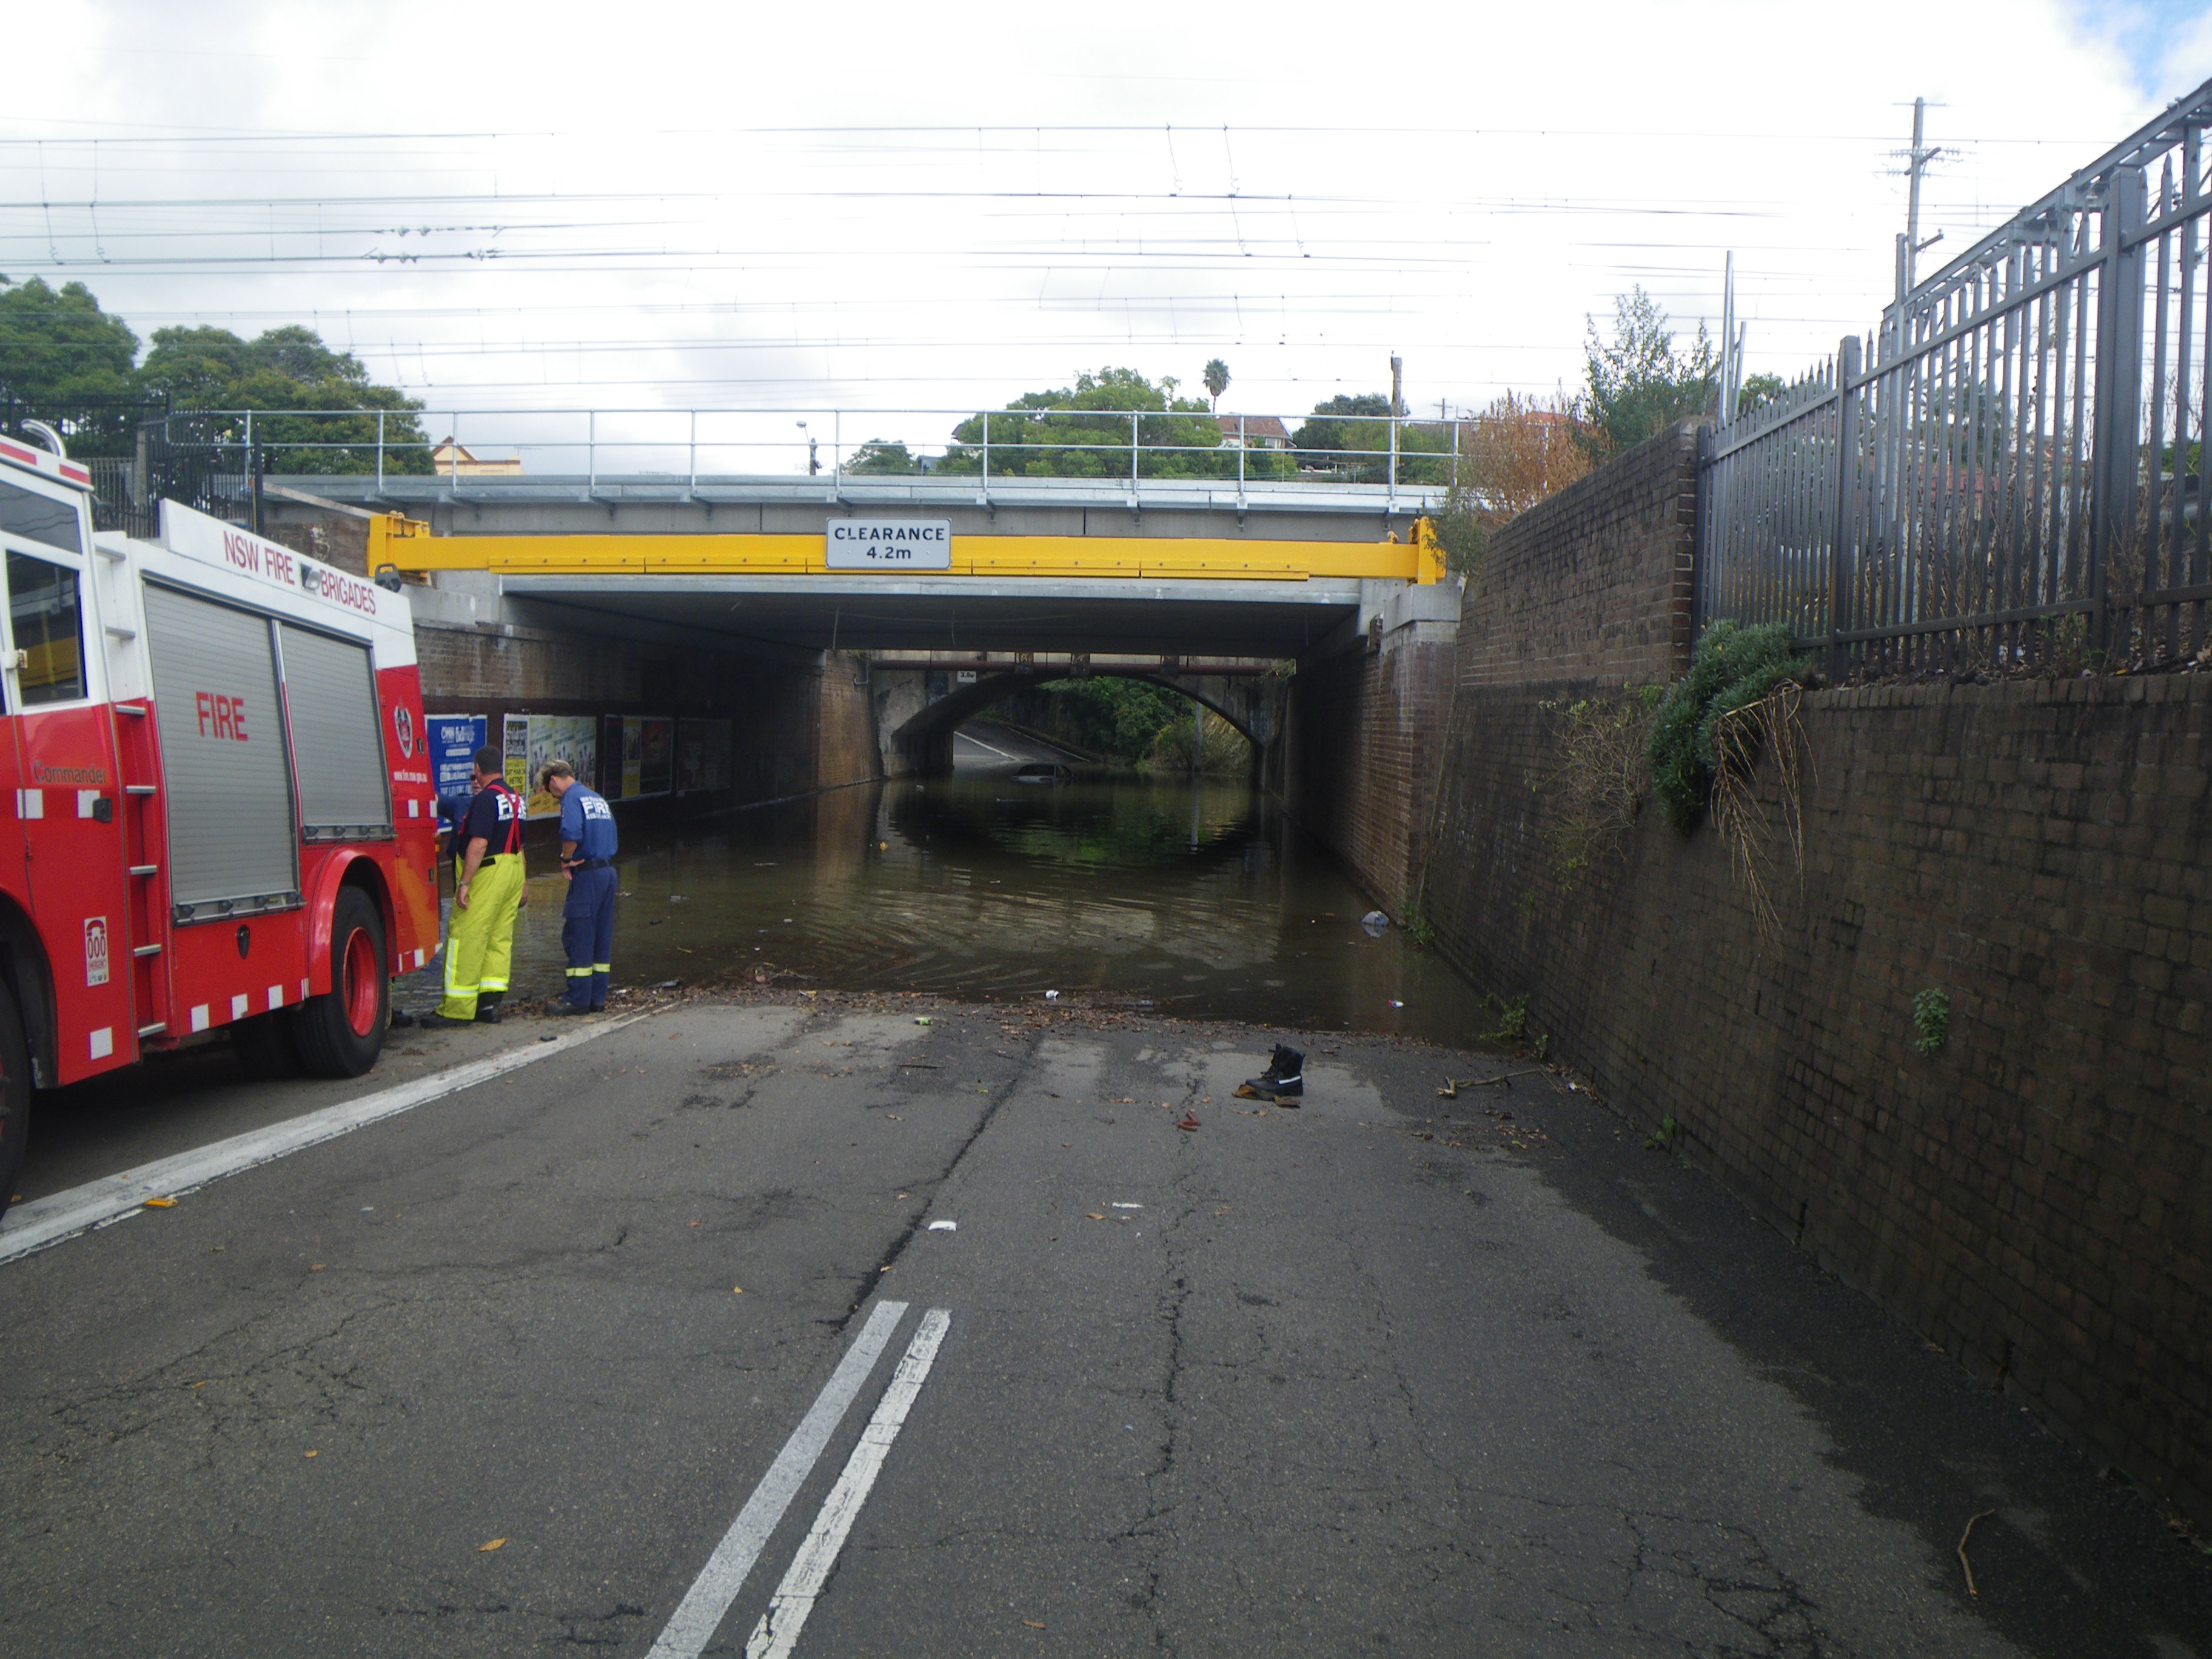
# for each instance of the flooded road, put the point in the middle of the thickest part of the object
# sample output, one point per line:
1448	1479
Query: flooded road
1197	897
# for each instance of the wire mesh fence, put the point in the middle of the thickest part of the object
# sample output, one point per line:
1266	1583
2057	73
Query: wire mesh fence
2007	474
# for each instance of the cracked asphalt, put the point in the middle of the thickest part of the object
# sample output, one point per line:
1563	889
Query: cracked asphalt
1388	1373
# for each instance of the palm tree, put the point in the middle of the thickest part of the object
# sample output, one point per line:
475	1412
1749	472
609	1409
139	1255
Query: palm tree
1216	380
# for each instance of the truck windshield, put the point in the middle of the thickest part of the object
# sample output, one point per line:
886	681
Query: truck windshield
40	518
42	604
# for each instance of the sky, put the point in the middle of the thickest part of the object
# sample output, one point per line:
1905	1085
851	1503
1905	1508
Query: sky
874	217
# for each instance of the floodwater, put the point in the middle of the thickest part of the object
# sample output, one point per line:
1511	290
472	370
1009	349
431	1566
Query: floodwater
1196	897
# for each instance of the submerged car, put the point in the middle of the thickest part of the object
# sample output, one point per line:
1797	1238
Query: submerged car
1044	772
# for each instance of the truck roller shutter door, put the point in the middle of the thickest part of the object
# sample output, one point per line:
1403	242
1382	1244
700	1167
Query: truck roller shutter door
337	750
232	846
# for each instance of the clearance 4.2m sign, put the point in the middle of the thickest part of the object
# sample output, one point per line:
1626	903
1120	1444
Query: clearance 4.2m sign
890	544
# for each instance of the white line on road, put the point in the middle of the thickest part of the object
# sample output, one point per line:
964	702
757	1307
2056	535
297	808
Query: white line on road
705	1605
980	744
59	1216
777	1633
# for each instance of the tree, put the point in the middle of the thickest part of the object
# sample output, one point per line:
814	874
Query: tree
1347	429
883	456
288	368
64	360
1217	379
1322	440
1113	716
1053	434
1518	451
1638	384
1756	390
57	349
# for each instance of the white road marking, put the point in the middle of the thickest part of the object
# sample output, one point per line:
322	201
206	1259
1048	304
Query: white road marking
777	1633
980	744
692	1625
59	1216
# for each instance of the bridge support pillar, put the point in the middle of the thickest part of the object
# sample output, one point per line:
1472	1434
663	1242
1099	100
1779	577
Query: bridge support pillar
1358	762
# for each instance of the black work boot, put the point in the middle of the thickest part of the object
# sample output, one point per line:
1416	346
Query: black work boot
488	1007
1284	1081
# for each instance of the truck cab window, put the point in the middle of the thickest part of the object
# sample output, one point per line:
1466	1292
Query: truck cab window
40	518
42	604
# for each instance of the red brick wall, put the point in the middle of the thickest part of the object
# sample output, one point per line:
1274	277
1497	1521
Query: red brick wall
1594	583
1363	731
2037	1194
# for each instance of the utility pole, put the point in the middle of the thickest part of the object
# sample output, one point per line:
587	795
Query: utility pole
1909	247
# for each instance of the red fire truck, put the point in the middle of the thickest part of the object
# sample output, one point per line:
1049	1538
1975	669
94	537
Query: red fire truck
223	810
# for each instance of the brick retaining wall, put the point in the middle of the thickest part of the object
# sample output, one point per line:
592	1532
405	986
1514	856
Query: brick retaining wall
2037	1194
1364	733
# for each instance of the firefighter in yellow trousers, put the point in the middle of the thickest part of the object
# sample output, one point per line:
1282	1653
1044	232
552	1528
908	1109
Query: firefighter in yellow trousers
487	893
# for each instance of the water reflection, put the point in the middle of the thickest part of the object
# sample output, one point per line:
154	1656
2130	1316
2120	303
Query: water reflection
1195	897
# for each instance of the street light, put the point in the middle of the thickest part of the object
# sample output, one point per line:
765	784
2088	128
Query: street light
813	465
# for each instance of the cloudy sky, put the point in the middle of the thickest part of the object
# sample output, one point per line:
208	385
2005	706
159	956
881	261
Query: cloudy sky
882	209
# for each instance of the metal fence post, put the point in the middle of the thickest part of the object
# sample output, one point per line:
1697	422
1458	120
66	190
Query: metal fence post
591	453
837	454
380	451
2118	390
1843	527
986	452
1132	454
1391	498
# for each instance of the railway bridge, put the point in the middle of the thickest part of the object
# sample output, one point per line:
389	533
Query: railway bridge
849	627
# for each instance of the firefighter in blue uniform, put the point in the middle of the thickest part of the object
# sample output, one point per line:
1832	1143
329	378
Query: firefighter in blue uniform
587	918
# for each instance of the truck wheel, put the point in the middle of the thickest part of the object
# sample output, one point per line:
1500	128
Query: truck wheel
14	1099
341	1033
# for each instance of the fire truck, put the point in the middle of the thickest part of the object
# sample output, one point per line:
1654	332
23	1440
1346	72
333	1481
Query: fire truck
223	810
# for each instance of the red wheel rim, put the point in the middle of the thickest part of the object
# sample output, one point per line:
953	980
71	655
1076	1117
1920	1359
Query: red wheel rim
357	982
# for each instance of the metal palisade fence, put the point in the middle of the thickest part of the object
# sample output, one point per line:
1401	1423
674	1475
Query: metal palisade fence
2008	472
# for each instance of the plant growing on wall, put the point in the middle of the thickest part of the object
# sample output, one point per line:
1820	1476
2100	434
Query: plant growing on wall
1603	772
1931	1018
1740	697
1735	667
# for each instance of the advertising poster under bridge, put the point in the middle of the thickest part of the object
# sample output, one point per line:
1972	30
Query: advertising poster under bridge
531	740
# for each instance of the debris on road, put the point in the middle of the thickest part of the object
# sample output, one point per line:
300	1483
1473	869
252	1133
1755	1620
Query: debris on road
496	1543
1051	996
1189	1120
1963	1562
1120	1206
944	1226
1376	923
160	1204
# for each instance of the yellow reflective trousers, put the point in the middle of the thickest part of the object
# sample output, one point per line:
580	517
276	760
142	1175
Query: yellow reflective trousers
480	940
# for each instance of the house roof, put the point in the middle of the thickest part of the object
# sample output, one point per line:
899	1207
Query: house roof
1257	428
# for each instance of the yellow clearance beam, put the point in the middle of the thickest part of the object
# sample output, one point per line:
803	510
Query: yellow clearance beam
408	545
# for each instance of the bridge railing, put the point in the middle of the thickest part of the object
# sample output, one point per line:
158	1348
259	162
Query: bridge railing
219	449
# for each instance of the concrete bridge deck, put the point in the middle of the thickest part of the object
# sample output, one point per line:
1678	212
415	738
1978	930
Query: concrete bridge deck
1301	510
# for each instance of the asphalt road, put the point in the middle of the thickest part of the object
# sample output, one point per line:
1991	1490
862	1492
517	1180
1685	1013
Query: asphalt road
1388	1373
